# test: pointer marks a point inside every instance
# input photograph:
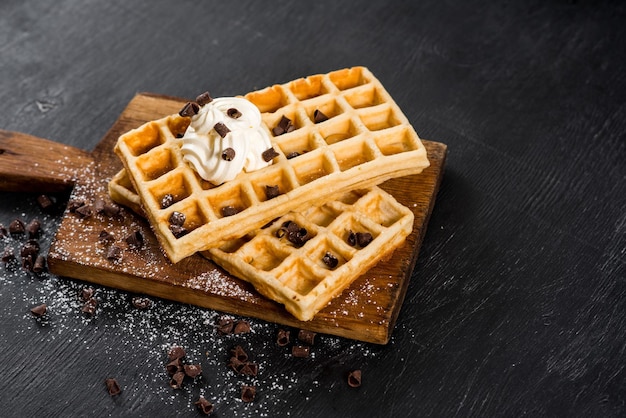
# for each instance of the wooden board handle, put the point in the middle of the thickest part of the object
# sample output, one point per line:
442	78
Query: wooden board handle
32	164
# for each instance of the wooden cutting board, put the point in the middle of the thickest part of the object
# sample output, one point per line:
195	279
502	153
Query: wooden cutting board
366	311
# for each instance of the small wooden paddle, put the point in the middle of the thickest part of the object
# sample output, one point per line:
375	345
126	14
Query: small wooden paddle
366	311
32	164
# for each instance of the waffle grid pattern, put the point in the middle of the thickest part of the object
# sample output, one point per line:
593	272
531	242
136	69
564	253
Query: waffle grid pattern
365	141
297	277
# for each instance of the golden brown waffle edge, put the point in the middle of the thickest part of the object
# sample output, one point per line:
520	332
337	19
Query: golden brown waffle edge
300	277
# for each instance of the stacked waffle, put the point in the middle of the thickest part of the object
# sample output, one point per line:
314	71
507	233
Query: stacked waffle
334	138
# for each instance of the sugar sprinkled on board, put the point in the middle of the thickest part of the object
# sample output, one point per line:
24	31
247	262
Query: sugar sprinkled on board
218	284
134	342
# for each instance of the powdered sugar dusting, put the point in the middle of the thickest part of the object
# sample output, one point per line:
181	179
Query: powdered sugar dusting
132	344
217	283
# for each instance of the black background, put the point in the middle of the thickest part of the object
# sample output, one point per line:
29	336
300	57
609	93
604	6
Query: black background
516	305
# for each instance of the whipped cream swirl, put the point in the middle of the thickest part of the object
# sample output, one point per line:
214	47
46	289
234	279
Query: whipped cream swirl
208	152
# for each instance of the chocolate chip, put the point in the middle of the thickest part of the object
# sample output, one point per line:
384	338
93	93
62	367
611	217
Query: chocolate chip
363	238
248	393
241	327
114	253
98	205
176	382
233	113
292	154
105	236
330	260
112	386
33	228
235	364
74	204
84	211
354	378
111	209
45	203
167	201
86	293
174	366
178	231
192	370
28	263
229	211
283	337
204	406
29	254
39	310
269	154
290	226
284	126
225	325
140	302
30	248
40	264
300	236
240	364
284	123
177	218
221	129
306	336
89	307
135	239
204	98
239	353
250	369
8	255
300	351
351	239
318	116
271	192
16	227
294	233
176	352
228	154
190	109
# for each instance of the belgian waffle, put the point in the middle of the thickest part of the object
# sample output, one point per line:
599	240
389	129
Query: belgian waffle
121	191
303	260
344	132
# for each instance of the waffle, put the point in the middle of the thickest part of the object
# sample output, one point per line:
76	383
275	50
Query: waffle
121	191
362	140
304	270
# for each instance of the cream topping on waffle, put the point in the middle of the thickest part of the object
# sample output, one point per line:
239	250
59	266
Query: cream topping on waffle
208	152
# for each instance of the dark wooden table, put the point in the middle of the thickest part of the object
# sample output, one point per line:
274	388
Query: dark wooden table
517	303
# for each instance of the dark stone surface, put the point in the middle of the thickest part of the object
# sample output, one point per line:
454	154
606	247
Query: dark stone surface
517	303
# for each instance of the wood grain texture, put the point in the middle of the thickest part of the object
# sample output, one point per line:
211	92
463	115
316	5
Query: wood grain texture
365	311
32	164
